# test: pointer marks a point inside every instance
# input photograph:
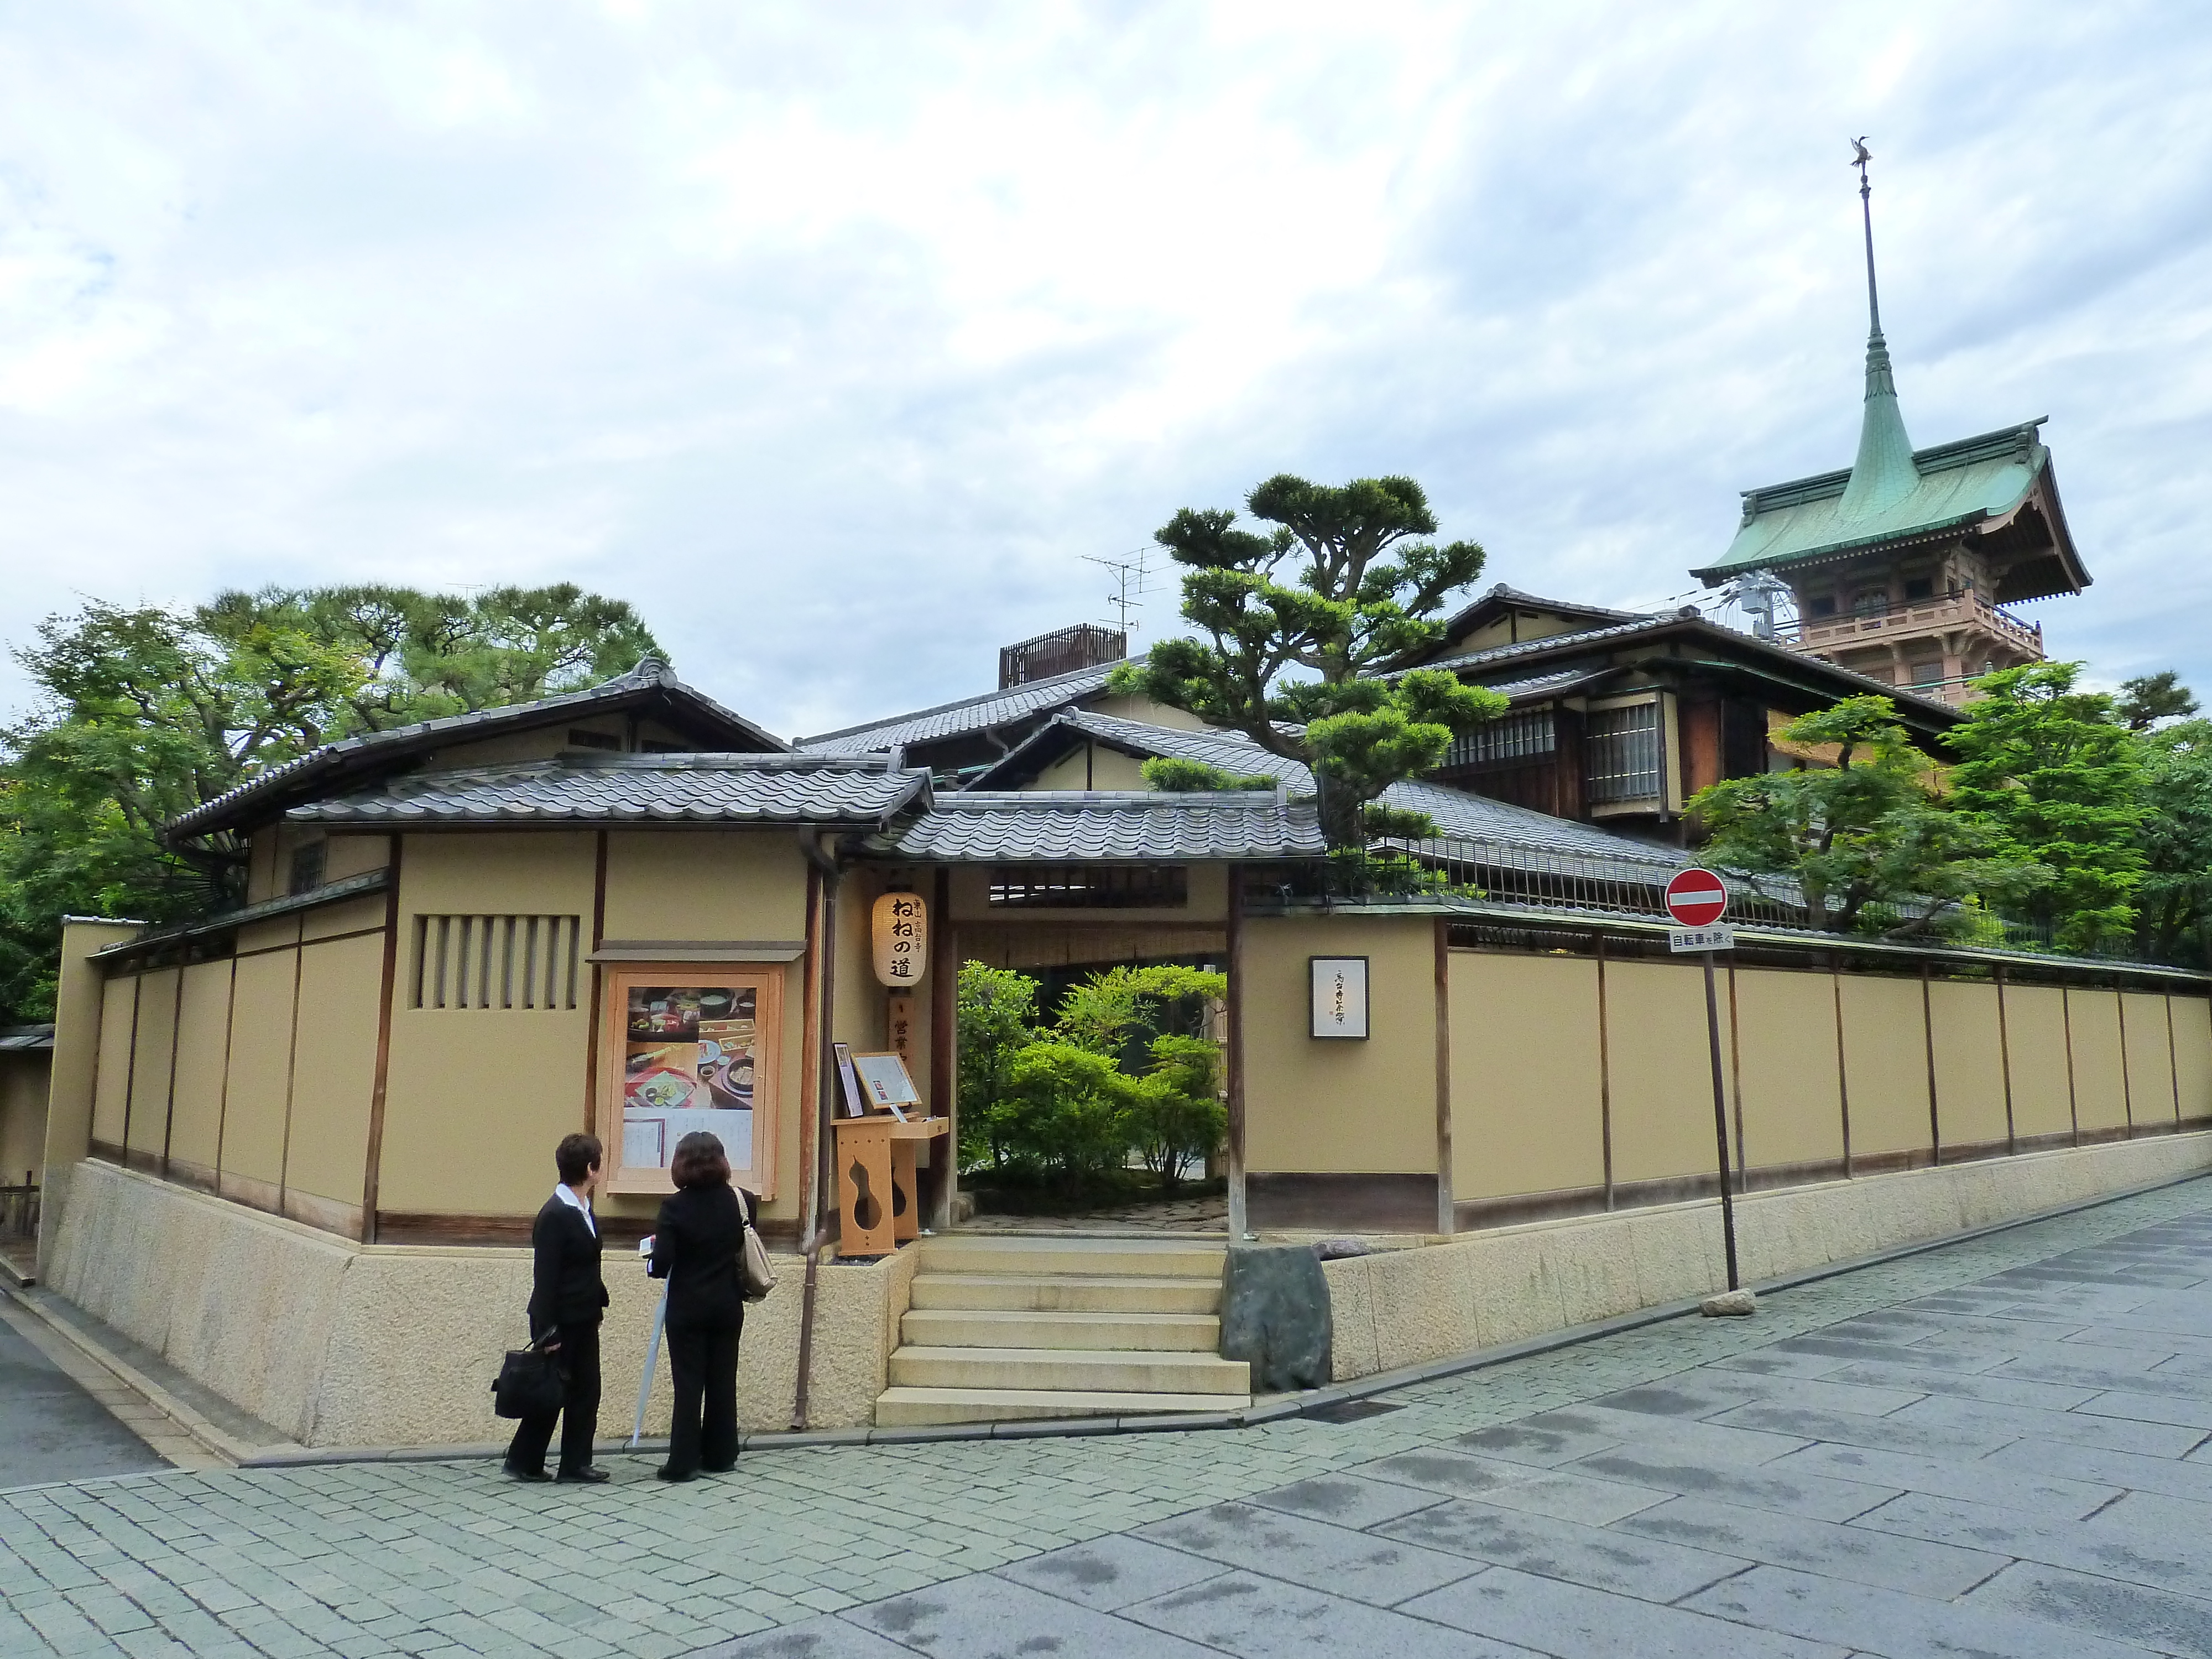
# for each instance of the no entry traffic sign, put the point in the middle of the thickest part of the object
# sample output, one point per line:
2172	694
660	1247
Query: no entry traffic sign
1695	898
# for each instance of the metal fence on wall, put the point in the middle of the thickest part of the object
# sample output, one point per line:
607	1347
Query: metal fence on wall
19	1210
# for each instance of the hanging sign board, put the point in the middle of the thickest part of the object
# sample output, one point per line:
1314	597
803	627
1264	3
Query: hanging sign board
898	1025
902	939
1339	996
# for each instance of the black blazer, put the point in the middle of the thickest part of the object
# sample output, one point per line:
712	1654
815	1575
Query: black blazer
565	1286
695	1245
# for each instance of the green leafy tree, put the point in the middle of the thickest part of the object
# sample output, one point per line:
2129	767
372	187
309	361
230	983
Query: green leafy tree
996	1012
1176	1117
1861	843
2174	900
1344	584
1074	1122
2054	770
147	712
2149	698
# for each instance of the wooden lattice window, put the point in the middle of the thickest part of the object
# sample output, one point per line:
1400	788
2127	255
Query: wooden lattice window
1090	887
478	962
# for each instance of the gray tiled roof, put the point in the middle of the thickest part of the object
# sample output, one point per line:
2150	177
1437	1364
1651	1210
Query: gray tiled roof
1459	813
951	720
1691	618
650	675
635	788
1046	826
26	1039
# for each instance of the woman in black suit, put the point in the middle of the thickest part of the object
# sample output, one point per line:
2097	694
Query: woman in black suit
696	1244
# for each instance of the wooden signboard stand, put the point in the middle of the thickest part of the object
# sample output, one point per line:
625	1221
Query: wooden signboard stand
878	1207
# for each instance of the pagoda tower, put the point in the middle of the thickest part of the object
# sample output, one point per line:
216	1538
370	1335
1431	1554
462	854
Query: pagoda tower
1901	565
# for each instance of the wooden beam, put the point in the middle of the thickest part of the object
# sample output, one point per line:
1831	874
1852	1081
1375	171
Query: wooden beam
1446	1216
1234	1015
373	1172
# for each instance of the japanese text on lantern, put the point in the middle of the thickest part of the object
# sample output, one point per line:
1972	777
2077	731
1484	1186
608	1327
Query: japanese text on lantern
902	938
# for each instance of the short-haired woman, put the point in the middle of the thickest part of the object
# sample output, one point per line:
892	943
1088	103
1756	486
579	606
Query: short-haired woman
697	1245
567	1299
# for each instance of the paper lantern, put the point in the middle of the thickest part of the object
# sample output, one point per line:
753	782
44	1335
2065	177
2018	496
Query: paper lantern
902	931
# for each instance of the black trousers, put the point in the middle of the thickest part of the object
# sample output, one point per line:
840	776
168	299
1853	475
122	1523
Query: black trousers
702	1364
579	1412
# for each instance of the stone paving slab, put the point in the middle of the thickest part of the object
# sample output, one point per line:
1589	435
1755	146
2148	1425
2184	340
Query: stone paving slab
1866	1390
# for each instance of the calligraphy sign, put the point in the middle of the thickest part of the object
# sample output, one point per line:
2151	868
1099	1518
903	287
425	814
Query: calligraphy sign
902	938
1339	996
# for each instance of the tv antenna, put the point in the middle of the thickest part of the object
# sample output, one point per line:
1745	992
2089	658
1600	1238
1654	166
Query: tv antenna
1132	573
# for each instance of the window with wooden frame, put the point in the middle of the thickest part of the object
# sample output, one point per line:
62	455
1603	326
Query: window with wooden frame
687	1045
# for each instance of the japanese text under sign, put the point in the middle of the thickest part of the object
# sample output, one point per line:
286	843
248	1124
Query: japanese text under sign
1700	938
1339	996
898	1026
902	935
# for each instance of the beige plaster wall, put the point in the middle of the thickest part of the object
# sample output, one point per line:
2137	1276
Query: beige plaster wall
2035	1035
2100	1095
2149	1053
1783	1068
333	1343
2192	1053
25	1077
203	1037
705	884
1409	1307
1970	1072
334	1074
1093	767
111	1088
354	855
1144	709
1885	1064
151	1059
1661	1070
260	1088
1331	1105
1526	1117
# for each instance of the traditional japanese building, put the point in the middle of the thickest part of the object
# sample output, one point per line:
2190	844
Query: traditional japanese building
1901	565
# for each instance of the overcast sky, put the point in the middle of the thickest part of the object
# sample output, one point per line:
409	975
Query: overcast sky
836	338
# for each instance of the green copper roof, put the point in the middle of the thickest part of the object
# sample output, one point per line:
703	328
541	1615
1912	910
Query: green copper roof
1893	493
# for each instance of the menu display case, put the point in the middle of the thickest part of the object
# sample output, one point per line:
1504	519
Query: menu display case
685	1047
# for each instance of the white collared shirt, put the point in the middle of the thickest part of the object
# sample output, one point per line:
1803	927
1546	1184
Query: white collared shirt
567	1195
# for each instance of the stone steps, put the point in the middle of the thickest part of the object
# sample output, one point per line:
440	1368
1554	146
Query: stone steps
990	1327
1064	1293
1008	1326
1123	1370
913	1408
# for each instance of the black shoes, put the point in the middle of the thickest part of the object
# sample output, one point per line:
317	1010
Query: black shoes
717	1469
666	1474
515	1473
588	1477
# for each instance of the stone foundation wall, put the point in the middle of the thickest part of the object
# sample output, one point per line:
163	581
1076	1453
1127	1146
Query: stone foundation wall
1409	1307
337	1345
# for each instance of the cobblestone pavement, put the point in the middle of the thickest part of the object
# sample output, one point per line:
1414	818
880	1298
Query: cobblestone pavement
1996	1448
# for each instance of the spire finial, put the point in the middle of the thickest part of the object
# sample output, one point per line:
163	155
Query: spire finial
1884	473
1860	159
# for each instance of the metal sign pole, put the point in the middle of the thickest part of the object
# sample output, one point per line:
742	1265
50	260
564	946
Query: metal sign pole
1720	1118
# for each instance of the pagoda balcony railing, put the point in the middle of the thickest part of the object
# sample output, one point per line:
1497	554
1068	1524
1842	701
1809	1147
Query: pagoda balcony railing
1949	611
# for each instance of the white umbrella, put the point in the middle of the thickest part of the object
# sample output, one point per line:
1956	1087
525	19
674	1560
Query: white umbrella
645	1383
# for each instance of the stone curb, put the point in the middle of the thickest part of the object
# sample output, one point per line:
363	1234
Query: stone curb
189	1422
1274	1410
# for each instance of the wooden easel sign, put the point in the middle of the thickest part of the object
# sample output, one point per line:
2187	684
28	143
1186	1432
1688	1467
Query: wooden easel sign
885	1084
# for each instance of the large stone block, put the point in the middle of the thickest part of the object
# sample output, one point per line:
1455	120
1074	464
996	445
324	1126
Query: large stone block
1275	1317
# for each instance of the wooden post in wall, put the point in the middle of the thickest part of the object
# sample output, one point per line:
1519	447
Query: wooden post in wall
1447	1217
1234	1014
944	1055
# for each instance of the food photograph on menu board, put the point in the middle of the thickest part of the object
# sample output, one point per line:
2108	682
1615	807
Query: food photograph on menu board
688	1063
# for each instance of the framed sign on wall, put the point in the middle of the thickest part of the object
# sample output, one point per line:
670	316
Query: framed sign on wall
687	1045
1339	996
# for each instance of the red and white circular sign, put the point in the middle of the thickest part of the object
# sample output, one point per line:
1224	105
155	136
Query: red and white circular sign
1695	898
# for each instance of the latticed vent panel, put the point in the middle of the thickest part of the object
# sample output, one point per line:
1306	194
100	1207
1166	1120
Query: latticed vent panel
496	962
1090	887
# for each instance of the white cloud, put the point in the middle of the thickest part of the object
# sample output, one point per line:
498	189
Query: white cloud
834	338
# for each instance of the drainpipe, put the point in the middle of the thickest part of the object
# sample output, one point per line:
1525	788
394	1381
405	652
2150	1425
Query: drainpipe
813	1223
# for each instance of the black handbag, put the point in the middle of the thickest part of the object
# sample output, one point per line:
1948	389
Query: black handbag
530	1382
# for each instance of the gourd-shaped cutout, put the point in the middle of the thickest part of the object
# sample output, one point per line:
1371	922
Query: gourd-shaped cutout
867	1208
